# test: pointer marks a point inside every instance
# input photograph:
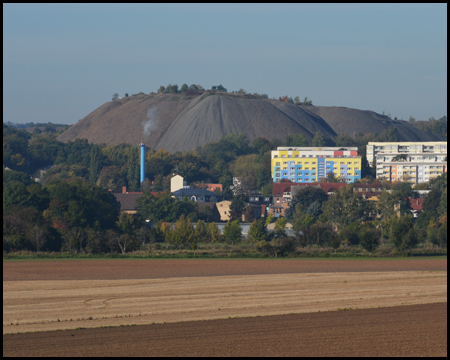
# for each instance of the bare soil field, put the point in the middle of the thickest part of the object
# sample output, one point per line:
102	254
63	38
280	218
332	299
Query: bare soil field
42	305
162	268
416	330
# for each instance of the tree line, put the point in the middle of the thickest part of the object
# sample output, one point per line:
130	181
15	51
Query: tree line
72	209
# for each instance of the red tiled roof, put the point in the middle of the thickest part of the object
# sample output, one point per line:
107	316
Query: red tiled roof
280	188
416	204
328	187
128	200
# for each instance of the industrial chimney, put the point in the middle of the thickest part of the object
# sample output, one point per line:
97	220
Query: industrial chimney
142	163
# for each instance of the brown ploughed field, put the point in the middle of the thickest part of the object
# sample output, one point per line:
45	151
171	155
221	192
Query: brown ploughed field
162	268
413	330
248	307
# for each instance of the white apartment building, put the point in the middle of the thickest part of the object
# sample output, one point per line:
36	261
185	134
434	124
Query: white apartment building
429	147
420	162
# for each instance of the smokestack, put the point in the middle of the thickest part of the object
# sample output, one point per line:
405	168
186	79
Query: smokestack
142	162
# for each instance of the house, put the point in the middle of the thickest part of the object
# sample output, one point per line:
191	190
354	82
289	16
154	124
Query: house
213	206
260	205
416	206
281	192
127	199
223	207
328	188
176	183
198	195
278	210
213	187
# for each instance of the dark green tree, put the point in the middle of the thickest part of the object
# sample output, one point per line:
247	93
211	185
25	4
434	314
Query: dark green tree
318	140
402	234
133	170
184	88
369	239
306	197
258	231
96	164
346	207
237	208
249	217
232	232
299	140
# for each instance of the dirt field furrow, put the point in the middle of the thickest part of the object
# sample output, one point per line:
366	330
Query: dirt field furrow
154	269
51	305
415	330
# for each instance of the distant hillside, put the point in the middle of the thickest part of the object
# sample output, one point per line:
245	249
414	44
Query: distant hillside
177	122
352	121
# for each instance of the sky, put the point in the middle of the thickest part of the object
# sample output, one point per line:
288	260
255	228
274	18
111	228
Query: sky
62	61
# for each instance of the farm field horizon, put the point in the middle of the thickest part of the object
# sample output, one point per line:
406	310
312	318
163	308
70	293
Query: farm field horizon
42	296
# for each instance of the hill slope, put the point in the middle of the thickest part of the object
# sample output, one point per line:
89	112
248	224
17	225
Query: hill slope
352	121
177	122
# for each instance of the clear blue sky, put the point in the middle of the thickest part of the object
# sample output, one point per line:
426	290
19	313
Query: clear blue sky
60	62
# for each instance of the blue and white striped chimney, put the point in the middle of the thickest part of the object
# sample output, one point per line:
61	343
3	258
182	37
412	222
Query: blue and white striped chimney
142	163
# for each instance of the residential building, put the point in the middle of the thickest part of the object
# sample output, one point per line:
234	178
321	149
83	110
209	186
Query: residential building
260	205
176	183
311	164
127	199
368	191
416	206
224	209
413	162
281	192
428	147
213	187
215	215
328	188
199	195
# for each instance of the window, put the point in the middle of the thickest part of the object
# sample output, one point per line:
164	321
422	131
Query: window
275	156
277	175
277	164
307	163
